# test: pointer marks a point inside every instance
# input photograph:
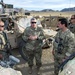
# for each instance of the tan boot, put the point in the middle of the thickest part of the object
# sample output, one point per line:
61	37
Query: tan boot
38	73
30	70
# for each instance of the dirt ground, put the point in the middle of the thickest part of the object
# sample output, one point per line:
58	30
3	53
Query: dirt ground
47	61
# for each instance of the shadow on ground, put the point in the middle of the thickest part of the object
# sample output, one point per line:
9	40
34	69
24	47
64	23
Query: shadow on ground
46	69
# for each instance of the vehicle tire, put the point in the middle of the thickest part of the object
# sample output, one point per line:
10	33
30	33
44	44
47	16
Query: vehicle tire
22	51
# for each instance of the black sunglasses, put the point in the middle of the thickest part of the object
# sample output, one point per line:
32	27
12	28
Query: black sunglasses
72	18
33	22
1	26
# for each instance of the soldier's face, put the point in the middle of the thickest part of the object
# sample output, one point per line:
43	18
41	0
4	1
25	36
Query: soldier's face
72	19
1	26
59	25
33	23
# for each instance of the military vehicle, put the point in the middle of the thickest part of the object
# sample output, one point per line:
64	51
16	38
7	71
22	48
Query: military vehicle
15	26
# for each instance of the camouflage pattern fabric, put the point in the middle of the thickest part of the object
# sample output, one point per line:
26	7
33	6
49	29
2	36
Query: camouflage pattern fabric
2	44
33	47
37	56
2	40
72	28
63	46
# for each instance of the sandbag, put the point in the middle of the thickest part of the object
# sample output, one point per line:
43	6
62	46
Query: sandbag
9	71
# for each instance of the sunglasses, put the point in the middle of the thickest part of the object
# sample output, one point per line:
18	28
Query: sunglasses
72	18
33	22
1	26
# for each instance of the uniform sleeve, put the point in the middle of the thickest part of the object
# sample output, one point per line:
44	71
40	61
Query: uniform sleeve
41	36
55	43
25	36
71	45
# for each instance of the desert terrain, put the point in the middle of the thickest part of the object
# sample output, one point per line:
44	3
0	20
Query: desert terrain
65	14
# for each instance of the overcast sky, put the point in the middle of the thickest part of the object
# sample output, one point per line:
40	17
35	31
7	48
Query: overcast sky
41	4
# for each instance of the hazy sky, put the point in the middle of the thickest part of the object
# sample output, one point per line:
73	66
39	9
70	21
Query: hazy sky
41	4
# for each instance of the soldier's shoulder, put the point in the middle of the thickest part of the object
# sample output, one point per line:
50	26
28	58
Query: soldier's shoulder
70	34
27	28
39	28
71	25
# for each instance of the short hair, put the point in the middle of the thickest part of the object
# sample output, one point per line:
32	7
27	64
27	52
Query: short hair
73	15
63	21
33	19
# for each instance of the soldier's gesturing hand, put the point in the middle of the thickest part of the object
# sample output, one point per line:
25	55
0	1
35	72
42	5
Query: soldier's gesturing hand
32	37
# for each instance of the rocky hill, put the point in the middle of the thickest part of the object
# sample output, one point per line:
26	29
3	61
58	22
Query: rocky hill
62	10
68	9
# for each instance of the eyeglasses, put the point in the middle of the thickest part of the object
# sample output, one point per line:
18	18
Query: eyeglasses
33	22
1	26
72	18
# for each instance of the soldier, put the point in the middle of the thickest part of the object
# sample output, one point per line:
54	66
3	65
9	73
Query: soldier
2	38
63	45
33	37
72	24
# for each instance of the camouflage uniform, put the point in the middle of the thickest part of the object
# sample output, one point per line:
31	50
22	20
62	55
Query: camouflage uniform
72	28
63	47
33	48
2	40
2	44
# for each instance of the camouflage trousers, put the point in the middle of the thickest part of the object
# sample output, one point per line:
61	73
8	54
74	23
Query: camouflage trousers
34	54
4	55
57	62
56	66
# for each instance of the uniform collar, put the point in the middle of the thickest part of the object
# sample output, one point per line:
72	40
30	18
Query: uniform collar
34	28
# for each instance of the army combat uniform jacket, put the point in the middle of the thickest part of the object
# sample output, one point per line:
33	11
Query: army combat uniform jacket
33	44
64	44
2	40
72	28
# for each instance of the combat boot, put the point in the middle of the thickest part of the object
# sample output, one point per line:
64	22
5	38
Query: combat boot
38	71
30	70
55	72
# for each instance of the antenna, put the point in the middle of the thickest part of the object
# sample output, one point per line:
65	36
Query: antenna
3	5
2	1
